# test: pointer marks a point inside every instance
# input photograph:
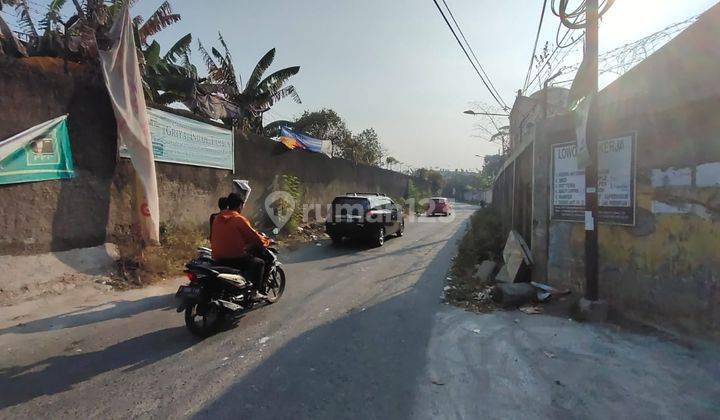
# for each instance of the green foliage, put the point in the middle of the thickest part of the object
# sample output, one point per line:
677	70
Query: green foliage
433	177
292	185
412	197
256	97
363	147
324	124
483	241
390	162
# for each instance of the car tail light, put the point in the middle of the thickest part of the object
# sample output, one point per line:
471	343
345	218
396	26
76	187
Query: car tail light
191	276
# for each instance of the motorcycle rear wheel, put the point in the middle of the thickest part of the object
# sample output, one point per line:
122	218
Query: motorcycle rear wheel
276	285
203	324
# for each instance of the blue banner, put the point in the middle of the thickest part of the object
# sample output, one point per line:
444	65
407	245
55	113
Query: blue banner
295	140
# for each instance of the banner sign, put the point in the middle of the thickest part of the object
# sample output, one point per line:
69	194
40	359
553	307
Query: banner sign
616	182
178	139
293	140
39	153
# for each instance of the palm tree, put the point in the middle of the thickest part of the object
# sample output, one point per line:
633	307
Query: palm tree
243	105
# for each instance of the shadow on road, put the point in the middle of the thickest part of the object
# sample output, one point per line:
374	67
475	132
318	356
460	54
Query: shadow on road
364	365
60	373
93	314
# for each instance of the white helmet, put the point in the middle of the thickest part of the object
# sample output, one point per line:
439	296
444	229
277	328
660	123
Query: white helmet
242	188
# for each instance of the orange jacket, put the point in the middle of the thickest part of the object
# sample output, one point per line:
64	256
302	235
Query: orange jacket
232	235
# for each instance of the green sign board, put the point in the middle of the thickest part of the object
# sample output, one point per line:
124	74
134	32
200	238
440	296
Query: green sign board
37	154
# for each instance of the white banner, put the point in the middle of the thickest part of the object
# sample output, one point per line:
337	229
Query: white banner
616	181
178	139
124	83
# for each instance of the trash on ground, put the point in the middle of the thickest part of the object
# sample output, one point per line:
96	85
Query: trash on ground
549	354
437	382
485	295
549	289
476	331
517	257
263	340
543	296
509	294
531	309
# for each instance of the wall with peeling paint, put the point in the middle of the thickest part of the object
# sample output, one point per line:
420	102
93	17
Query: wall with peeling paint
666	269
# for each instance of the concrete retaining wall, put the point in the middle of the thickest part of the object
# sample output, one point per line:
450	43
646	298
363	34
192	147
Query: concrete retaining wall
94	207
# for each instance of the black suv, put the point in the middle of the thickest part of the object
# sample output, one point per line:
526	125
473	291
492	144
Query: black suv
371	216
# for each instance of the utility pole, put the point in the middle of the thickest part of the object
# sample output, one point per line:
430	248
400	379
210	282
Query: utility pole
591	192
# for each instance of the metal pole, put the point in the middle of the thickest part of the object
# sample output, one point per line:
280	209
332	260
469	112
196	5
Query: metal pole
591	196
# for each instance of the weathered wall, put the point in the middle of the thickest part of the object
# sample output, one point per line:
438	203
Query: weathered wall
95	206
665	269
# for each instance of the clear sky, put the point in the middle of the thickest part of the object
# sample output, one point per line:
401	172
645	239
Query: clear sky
393	64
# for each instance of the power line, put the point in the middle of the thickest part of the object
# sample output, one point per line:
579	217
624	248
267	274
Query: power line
537	37
557	48
468	55
473	53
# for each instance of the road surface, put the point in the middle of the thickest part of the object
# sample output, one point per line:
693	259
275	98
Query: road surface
360	333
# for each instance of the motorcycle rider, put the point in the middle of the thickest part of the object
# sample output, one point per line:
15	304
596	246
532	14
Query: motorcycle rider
234	241
222	205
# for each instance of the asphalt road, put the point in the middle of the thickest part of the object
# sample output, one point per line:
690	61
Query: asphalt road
360	333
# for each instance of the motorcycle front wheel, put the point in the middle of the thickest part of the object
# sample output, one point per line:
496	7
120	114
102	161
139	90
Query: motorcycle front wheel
203	320
276	285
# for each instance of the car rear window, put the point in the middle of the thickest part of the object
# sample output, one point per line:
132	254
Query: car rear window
355	206
438	200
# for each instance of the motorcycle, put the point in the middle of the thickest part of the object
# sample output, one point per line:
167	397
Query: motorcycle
216	293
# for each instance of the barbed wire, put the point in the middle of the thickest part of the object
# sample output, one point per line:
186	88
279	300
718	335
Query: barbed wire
621	59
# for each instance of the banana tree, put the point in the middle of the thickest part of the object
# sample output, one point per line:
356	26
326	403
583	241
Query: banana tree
243	105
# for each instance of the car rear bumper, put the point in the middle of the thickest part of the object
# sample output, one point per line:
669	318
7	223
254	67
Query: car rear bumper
348	228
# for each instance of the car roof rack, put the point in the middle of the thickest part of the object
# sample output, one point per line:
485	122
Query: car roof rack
365	193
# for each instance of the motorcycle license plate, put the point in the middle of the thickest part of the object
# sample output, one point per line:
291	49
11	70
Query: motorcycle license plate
188	291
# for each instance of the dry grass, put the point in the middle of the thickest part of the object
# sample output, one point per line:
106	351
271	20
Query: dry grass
483	241
139	267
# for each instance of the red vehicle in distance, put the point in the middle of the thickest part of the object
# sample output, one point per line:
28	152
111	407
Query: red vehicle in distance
439	205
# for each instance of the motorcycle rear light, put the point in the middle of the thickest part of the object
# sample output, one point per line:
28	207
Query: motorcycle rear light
191	276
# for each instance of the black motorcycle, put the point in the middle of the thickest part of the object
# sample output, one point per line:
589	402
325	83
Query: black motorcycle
216	293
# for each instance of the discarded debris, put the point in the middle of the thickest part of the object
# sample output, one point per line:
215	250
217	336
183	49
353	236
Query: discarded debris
485	295
437	382
263	340
509	294
517	257
531	309
476	331
549	355
549	289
